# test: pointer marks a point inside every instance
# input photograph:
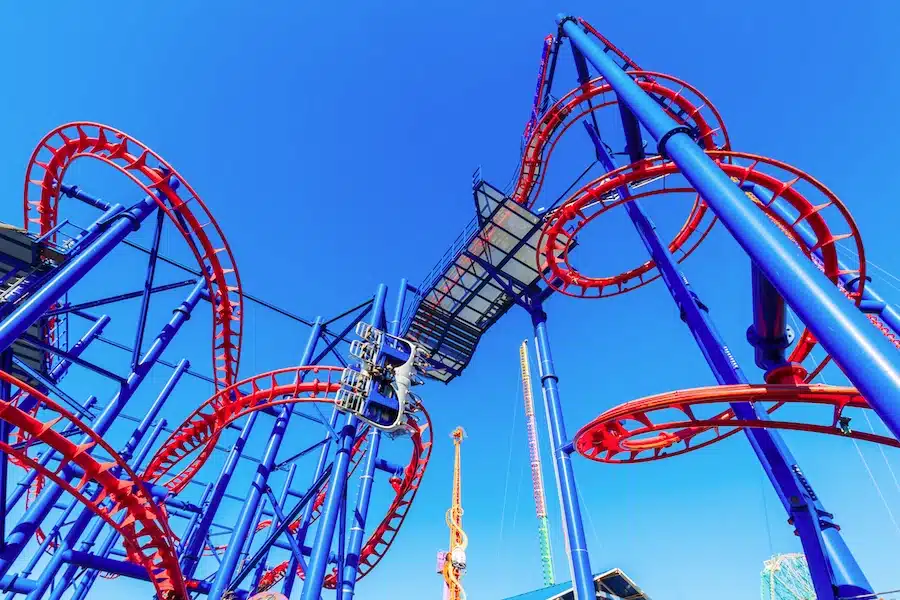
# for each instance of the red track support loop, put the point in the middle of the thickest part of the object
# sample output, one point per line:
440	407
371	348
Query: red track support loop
670	424
683	102
144	527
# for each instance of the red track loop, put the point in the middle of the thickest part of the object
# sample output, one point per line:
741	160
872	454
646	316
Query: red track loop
780	179
202	428
62	146
45	173
384	534
144	527
646	429
682	102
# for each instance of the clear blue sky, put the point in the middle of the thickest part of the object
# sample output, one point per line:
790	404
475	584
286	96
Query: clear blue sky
335	143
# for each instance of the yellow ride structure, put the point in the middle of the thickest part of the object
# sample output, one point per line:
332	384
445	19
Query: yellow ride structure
454	560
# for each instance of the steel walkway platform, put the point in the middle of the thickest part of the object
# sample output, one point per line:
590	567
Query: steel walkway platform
461	298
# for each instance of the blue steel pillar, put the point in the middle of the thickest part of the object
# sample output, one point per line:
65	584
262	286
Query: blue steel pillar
579	560
193	547
232	553
5	396
81	522
30	521
871	299
367	479
93	532
103	552
868	359
44	546
115	229
306	515
337	487
282	501
61	368
768	335
832	566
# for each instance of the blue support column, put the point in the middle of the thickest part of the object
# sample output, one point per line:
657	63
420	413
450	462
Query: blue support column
28	402
190	557
282	500
81	523
148	286
296	550
61	368
280	529
5	397
871	298
306	516
833	568
358	527
114	231
194	520
570	507
231	556
86	516
337	486
50	538
30	521
257	488
367	478
869	360
97	528
768	334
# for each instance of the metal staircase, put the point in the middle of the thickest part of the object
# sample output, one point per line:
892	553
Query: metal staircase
461	298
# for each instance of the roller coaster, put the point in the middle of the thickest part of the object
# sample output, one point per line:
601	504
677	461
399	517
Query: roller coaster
77	485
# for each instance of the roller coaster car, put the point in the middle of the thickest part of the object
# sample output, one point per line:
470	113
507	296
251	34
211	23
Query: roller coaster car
377	388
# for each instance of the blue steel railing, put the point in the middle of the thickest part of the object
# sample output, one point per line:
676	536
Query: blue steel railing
450	256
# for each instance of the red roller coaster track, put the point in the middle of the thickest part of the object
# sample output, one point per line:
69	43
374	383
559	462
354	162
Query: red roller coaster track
681	101
184	207
684	104
597	197
144	529
644	430
655	434
43	179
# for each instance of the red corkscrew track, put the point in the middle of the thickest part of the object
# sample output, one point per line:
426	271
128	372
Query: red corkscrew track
609	436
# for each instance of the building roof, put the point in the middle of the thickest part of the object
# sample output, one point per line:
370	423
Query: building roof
610	585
